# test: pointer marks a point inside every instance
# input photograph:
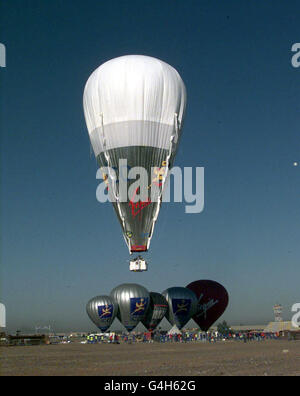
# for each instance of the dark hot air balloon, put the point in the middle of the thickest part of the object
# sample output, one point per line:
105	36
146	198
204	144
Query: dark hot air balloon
158	308
212	302
182	305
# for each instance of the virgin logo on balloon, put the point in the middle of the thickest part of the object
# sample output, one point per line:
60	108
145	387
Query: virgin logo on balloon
203	308
137	207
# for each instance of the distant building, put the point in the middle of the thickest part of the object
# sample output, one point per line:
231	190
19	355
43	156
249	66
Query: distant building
277	327
277	309
246	328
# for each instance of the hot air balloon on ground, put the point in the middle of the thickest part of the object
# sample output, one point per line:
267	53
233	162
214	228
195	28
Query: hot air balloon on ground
157	309
212	302
134	108
182	305
133	302
102	311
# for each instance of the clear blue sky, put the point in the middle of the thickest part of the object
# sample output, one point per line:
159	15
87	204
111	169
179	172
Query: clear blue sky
59	246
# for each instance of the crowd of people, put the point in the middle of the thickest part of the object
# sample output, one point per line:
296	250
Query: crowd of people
185	336
215	337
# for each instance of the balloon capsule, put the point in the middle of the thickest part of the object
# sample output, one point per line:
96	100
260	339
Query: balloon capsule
138	264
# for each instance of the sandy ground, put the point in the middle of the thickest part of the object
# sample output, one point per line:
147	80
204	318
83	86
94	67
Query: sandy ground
223	358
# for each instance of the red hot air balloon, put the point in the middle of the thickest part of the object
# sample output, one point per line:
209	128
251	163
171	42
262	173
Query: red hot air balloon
212	302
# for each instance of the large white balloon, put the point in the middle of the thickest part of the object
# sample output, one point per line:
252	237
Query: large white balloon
134	107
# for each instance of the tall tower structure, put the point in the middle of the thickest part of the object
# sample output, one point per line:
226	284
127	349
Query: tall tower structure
278	312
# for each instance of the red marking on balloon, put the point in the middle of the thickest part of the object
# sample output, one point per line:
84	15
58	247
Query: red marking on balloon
137	207
138	248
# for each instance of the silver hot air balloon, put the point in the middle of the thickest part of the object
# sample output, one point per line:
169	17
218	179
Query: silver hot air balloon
133	302
157	310
102	311
182	305
134	108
